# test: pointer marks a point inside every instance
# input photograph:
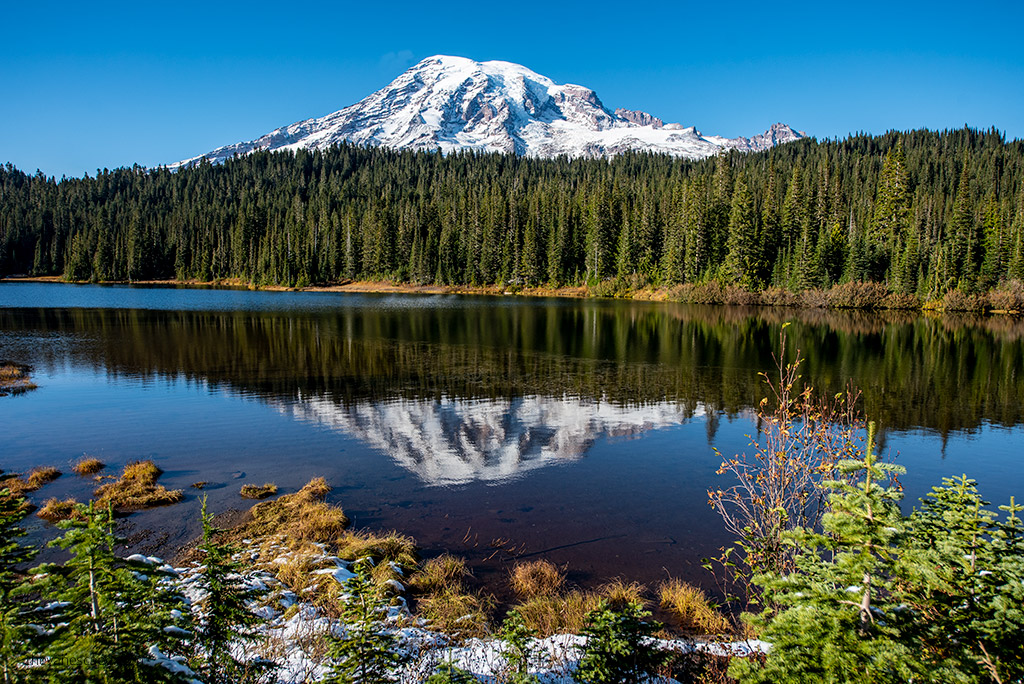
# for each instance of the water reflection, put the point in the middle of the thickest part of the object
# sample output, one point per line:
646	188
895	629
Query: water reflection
452	441
936	373
580	410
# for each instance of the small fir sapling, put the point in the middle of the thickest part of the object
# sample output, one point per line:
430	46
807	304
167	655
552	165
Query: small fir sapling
620	648
365	651
224	624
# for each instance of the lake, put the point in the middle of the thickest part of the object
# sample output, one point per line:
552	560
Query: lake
496	428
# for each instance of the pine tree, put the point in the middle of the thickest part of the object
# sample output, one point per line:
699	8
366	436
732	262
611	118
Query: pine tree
957	582
109	611
447	673
365	652
742	262
18	642
619	647
836	609
892	204
964	239
517	649
223	622
993	265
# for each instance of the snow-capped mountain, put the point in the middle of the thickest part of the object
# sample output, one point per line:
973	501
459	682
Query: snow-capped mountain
454	103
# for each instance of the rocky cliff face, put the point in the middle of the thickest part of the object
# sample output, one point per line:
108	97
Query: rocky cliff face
453	103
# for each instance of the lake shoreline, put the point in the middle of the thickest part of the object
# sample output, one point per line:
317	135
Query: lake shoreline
1008	301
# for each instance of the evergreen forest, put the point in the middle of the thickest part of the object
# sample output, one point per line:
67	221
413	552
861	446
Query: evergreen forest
922	212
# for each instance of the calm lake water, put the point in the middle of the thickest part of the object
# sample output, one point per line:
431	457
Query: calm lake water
581	431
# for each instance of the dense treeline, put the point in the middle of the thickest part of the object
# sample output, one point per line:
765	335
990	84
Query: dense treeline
923	212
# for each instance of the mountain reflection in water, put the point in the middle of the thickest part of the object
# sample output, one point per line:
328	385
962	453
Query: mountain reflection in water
452	441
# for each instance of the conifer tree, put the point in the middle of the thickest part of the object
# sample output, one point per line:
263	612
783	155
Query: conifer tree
742	261
619	647
993	264
447	673
18	642
892	201
835	621
517	649
224	626
365	652
957	582
108	611
965	243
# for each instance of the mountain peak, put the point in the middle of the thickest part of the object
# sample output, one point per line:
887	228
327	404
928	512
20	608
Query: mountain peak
454	103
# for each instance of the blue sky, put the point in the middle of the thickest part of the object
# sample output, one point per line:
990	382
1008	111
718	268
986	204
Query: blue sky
92	85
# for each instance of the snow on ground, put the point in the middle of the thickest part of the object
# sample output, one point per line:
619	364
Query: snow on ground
294	634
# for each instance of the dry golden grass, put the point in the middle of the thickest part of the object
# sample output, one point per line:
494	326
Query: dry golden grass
14	378
297	571
548	615
456	613
199	485
137	488
442	598
445	573
40	476
384	548
536	578
299	517
258	491
55	510
19	486
620	594
87	466
690	609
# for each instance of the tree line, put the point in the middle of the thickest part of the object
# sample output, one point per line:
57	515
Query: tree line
922	212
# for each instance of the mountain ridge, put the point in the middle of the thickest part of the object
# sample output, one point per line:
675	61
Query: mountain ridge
455	103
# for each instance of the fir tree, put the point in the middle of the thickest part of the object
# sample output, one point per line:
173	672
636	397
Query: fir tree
224	625
742	261
836	609
517	649
365	651
619	648
109	611
957	582
447	673
17	639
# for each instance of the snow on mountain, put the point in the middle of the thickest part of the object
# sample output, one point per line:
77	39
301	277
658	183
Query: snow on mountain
455	441
454	103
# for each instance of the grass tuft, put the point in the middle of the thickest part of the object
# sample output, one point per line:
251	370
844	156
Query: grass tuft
621	594
87	466
549	615
258	491
299	517
536	578
137	488
55	510
445	573
14	378
19	486
384	548
691	610
456	613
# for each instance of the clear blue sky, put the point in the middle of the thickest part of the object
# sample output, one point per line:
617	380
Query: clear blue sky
91	85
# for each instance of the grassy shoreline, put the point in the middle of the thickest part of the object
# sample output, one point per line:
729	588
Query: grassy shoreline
1006	299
